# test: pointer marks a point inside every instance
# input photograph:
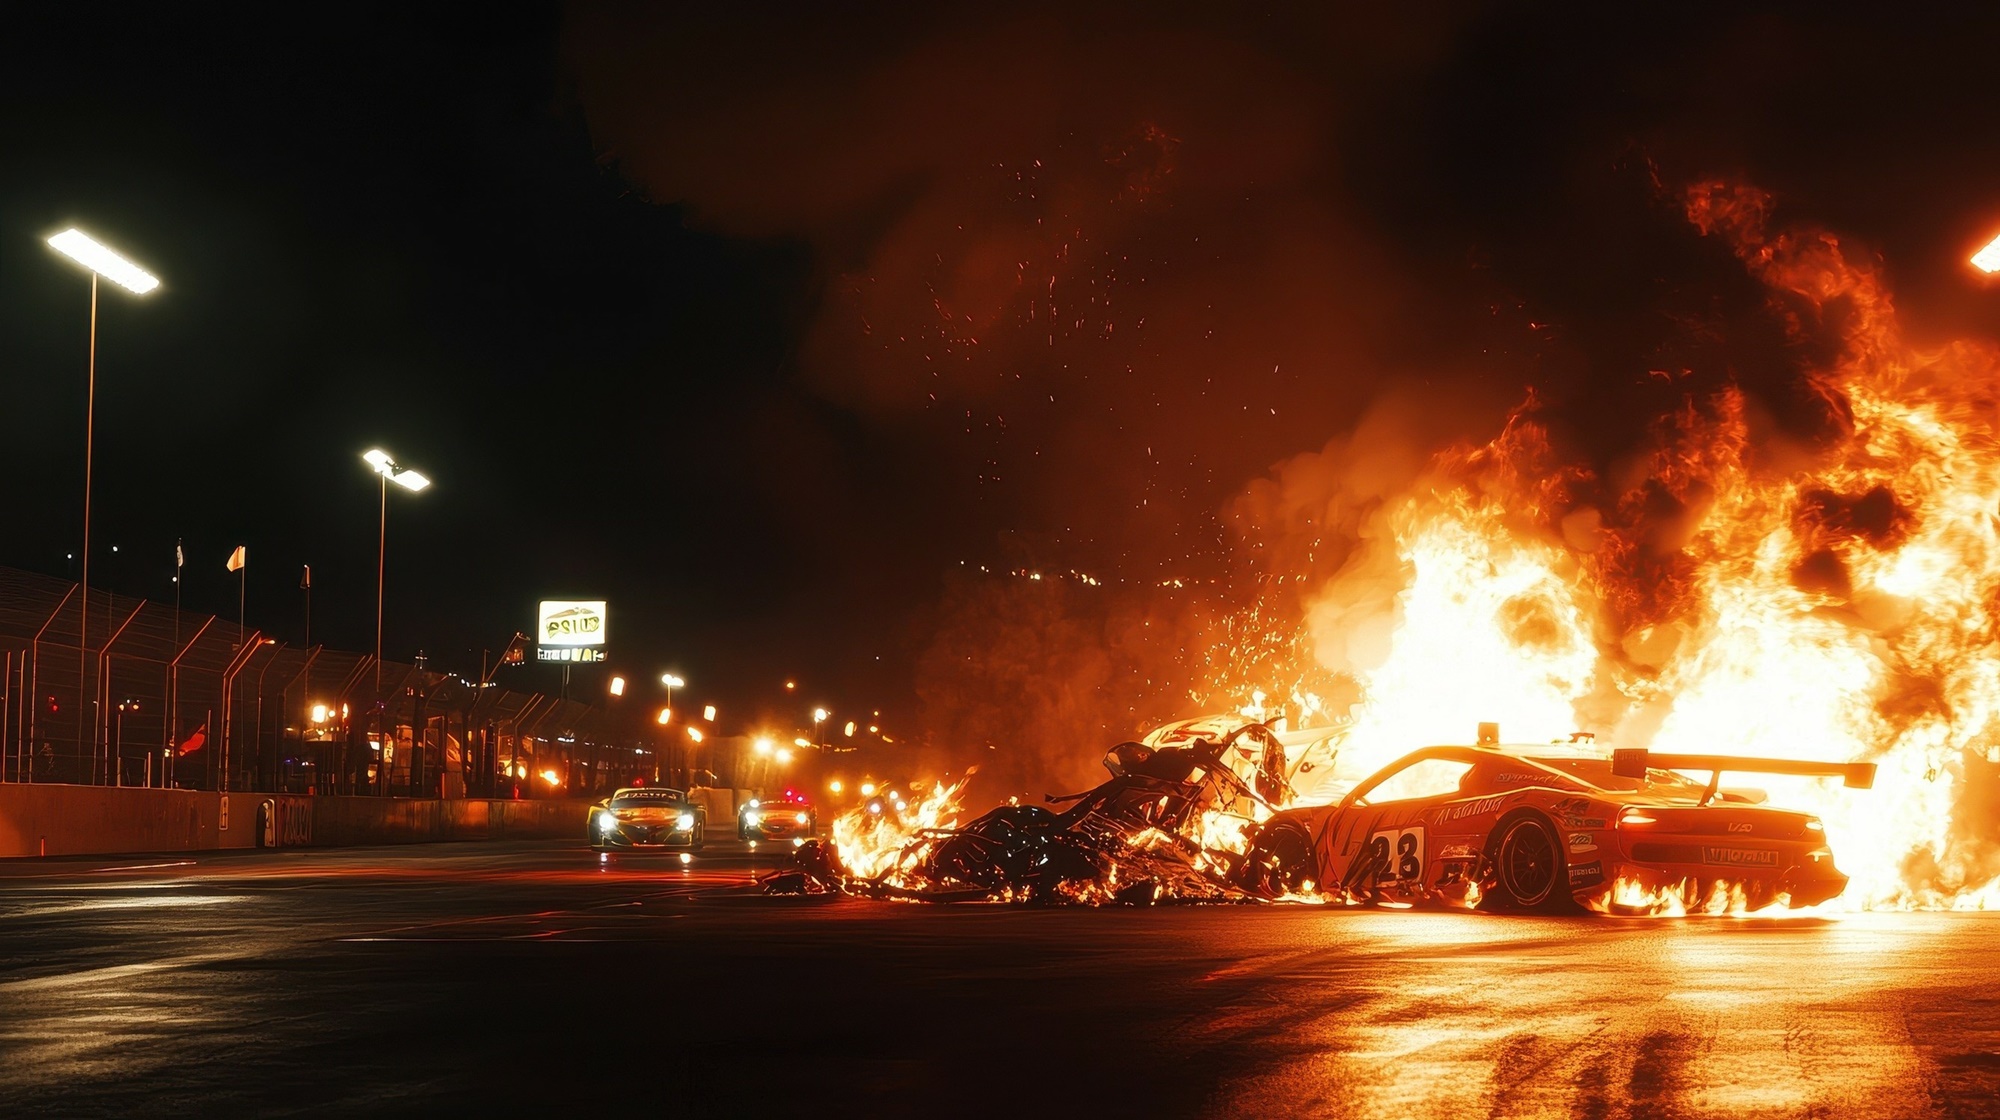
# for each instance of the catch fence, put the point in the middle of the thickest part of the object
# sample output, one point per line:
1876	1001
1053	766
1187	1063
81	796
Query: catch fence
155	696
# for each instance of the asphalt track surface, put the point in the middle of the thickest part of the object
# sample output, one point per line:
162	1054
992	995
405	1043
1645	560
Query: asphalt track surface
531	979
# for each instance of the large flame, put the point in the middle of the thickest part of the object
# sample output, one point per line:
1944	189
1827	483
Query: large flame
874	838
1839	609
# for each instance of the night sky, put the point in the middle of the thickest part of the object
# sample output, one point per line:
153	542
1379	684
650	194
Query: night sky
775	324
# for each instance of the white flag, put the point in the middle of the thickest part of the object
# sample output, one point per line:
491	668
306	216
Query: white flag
237	559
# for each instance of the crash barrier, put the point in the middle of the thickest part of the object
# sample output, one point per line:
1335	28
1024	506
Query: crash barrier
720	803
47	819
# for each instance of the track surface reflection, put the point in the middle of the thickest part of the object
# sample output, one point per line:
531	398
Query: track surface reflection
535	977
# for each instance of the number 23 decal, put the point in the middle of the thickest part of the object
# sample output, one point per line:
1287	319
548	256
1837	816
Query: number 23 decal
1397	854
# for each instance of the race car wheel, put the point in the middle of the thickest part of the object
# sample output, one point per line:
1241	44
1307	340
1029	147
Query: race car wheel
1280	863
1527	864
700	837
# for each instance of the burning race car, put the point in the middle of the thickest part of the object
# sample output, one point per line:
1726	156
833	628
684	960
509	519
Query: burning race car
1170	822
1554	827
1201	811
649	817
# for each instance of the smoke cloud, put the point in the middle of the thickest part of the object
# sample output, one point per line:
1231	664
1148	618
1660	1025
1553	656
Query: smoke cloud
1194	304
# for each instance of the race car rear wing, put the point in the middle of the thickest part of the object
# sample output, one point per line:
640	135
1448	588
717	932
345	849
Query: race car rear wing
1633	762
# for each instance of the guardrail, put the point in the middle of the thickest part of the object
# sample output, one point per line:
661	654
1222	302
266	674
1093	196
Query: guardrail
50	820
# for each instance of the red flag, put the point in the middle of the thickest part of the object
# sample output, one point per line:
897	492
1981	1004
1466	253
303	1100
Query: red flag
194	742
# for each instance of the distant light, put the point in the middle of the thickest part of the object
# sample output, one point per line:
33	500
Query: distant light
319	713
666	716
850	729
694	733
671	681
686	859
381	463
708	713
617	686
103	260
802	742
763	746
789	685
820	714
867	789
834	785
551	777
1988	259
784	754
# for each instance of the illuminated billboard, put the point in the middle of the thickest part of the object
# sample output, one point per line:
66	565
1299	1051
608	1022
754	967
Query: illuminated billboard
570	623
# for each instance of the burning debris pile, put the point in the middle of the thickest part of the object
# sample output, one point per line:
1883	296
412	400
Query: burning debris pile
1170	824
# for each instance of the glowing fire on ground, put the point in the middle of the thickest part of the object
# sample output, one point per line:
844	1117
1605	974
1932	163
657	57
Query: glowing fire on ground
873	838
1837	605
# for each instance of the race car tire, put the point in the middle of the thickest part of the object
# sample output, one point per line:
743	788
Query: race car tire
1528	866
700	837
1280	862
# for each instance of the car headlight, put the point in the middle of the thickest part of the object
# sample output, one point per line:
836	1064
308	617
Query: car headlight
752	820
805	818
606	822
686	822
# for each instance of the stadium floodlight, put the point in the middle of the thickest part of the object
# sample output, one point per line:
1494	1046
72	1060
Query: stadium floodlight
103	260
98	259
383	464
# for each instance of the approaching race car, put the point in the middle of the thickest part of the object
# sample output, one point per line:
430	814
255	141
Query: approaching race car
1551	827
649	817
787	818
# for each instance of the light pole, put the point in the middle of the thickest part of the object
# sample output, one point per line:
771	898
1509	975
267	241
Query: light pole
103	261
379	461
673	681
118	742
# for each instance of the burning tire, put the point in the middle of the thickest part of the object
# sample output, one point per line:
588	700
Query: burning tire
1528	870
1280	862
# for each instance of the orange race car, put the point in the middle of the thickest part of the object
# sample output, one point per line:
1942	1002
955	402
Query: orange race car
1551	827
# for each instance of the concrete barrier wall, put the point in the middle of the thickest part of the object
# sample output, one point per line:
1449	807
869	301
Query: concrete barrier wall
56	820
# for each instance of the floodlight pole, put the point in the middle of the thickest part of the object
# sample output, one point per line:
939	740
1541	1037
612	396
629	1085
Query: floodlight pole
96	259
381	568
83	579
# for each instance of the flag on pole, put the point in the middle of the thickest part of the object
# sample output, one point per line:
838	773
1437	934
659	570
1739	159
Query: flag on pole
306	579
237	560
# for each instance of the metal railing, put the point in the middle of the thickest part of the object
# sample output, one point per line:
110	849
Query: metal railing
172	698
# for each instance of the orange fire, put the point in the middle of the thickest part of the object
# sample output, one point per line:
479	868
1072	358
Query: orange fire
873	839
1840	605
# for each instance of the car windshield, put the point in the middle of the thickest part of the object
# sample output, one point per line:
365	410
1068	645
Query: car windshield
640	798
